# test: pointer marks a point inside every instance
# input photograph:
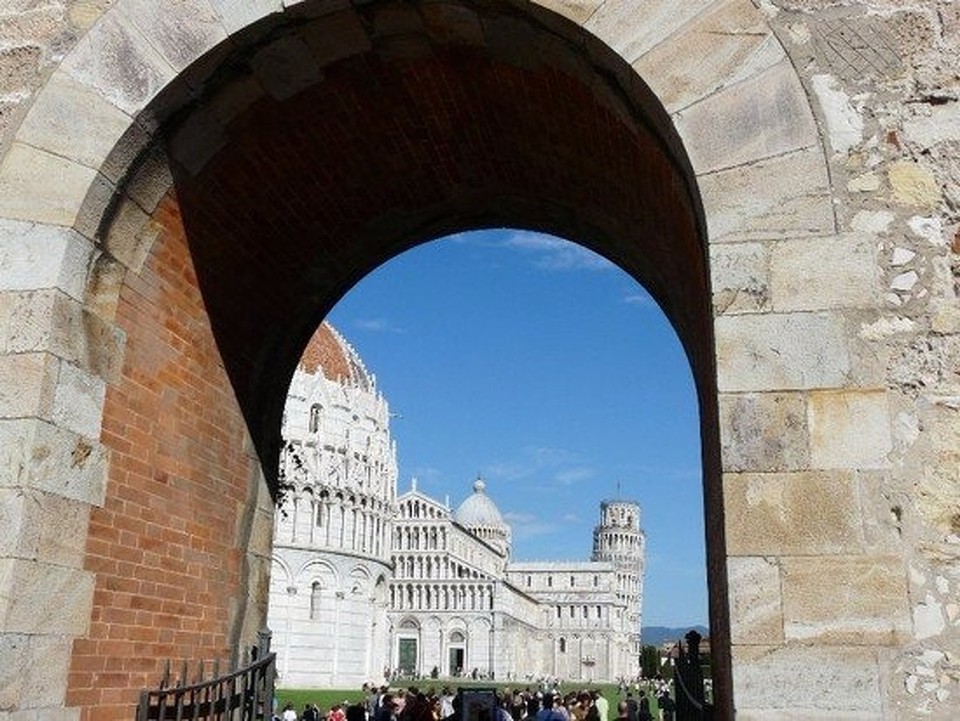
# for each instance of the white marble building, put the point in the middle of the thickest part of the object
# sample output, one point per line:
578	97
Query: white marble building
365	582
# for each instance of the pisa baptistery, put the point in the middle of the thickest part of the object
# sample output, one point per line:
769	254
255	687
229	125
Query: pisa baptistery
331	552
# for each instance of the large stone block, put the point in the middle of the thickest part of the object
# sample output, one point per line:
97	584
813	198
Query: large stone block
806	682
849	429
34	673
846	600
35	454
27	385
720	47
285	66
235	16
843	120
764	432
740	275
44	527
131	235
447	22
782	351
42	598
78	403
576	10
756	612
38	186
14	652
34	256
49	321
779	514
74	121
38	321
181	31
762	117
343	34
825	273
196	141
632	27
116	60
785	196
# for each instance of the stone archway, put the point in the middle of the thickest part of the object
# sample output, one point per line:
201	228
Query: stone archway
473	101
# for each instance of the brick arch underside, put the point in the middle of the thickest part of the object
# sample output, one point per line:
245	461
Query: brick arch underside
313	192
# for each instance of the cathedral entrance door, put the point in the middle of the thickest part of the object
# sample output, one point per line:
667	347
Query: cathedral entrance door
407	656
456	661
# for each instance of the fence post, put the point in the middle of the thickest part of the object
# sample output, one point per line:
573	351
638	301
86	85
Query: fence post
264	635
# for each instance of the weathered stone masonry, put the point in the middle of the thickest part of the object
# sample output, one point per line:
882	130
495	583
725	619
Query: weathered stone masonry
813	145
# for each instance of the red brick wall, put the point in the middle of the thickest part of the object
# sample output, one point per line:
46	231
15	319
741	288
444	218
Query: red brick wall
163	546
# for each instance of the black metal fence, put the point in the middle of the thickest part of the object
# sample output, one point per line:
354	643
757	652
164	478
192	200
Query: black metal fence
688	674
244	694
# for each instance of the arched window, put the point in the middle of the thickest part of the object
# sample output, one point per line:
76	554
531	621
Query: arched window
315	601
315	410
563	645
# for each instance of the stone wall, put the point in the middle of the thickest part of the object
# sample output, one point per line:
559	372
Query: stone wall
824	140
866	471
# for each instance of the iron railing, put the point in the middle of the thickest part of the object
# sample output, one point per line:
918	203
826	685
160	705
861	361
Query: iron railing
691	699
244	694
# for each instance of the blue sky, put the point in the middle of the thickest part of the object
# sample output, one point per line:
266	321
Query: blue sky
548	371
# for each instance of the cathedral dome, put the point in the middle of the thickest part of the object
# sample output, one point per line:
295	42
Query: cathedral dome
480	515
336	359
479	510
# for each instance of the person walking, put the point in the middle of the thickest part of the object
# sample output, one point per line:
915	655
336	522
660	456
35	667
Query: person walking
667	705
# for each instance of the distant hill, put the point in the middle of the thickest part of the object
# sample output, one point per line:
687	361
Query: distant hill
655	635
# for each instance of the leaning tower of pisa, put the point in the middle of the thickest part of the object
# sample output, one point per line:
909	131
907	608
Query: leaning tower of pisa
618	539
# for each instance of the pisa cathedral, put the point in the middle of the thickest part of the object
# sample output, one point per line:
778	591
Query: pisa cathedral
366	583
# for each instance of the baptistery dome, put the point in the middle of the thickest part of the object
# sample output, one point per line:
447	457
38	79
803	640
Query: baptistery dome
480	515
329	354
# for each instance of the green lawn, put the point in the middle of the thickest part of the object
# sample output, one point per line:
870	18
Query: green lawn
325	698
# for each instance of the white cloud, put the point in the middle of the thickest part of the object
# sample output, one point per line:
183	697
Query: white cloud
641	299
572	476
555	254
534	461
377	325
517	517
527	525
546	252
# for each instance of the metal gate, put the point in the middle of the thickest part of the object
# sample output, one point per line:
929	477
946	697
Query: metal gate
245	694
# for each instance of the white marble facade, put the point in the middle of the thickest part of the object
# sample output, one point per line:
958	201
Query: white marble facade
365	583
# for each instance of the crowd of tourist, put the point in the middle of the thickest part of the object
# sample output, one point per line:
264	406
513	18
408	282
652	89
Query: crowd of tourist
546	703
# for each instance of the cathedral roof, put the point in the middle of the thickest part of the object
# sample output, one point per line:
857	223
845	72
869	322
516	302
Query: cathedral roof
478	510
328	352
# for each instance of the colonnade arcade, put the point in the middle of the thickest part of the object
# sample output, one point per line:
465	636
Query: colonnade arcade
406	596
415	538
439	567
